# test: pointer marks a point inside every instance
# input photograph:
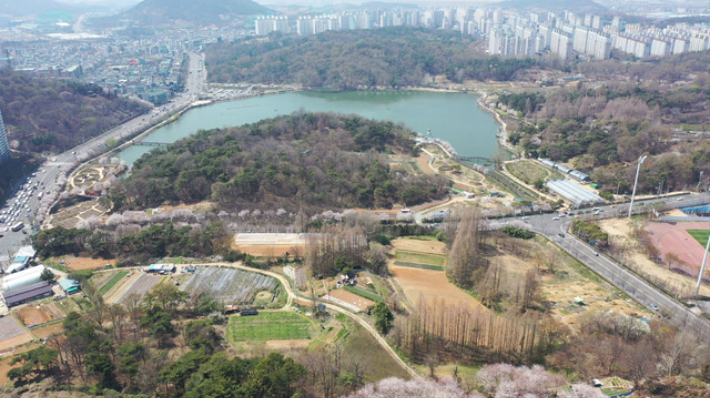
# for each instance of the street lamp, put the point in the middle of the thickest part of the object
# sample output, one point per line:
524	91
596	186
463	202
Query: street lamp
702	267
700	179
633	194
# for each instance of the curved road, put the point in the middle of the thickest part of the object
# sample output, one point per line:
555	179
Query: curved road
293	297
551	226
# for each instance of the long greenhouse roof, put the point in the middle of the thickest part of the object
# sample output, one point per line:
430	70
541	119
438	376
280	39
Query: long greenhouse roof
574	193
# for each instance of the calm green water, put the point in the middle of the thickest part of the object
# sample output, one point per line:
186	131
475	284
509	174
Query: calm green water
453	117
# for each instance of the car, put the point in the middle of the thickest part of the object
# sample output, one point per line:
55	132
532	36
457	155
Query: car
1	235
596	254
561	235
653	306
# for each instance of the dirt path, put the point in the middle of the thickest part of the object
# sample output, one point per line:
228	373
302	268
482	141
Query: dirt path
293	297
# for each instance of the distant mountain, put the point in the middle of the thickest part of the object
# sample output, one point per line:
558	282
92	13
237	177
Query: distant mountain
161	11
30	7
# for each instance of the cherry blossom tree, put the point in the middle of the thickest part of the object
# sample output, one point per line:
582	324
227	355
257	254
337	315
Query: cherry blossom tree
397	388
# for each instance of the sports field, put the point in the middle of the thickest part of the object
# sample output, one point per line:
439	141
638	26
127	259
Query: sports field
268	326
701	235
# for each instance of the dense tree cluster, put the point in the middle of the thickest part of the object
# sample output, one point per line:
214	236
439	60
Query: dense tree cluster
313	161
349	60
156	241
517	232
71	112
126	348
610	343
526	103
590	232
604	127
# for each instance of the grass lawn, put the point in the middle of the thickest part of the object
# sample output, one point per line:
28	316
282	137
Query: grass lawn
105	288
416	265
420	258
360	347
701	235
529	171
362	293
269	326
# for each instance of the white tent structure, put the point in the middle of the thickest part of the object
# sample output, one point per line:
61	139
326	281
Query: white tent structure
22	278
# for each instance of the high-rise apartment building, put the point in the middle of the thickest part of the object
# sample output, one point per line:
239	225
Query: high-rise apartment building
4	145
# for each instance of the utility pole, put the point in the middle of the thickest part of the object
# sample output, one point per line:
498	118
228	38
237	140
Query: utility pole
702	267
636	181
700	179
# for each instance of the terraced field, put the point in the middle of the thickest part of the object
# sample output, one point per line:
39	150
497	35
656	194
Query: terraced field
228	285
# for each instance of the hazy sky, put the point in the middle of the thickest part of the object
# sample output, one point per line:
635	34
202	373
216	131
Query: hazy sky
285	2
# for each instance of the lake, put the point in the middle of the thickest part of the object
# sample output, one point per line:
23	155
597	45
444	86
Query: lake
453	117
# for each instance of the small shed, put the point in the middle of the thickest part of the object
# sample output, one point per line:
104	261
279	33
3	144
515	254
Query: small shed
248	311
160	268
70	286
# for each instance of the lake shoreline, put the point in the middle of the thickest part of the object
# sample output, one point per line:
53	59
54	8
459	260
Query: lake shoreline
451	120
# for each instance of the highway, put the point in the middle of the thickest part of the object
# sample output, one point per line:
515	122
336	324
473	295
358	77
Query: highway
54	171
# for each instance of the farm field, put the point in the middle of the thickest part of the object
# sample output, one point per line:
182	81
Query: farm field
269	326
140	286
44	332
228	285
39	314
269	245
112	282
368	294
432	285
529	171
420	258
12	334
420	245
10	328
82	263
353	301
421	266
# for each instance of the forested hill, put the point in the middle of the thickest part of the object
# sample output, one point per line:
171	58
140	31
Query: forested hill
348	60
56	115
315	161
150	12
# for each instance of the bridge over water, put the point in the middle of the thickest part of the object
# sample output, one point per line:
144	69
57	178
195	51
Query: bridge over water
151	143
474	159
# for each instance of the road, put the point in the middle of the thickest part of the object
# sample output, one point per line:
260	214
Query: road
293	297
56	168
551	226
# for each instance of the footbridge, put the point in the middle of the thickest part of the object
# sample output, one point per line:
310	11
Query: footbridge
151	143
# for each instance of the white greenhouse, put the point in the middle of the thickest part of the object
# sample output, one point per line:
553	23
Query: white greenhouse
22	278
